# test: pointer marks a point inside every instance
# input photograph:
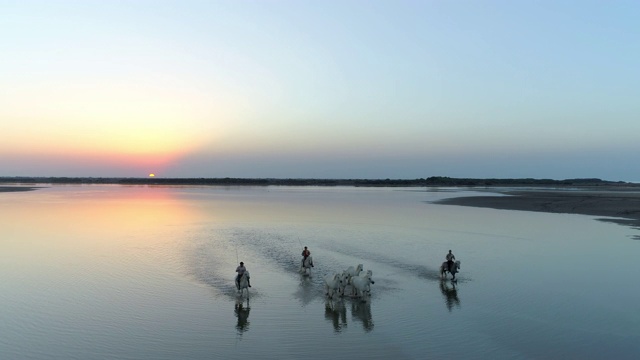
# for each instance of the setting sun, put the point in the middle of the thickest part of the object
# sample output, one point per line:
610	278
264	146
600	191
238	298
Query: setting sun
152	175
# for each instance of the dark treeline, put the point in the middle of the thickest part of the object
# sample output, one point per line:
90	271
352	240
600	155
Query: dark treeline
430	181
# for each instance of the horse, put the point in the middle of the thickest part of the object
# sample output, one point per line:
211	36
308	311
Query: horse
351	272
243	284
444	268
344	281
361	285
332	284
307	264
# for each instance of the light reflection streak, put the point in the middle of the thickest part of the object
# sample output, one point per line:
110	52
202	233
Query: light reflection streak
99	216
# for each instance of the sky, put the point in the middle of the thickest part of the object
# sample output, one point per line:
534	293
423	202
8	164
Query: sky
320	89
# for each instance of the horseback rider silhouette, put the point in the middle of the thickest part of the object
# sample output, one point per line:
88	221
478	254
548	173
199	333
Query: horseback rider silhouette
240	270
450	258
305	254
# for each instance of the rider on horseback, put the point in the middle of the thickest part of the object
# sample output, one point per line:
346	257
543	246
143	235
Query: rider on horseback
450	258
305	255
240	270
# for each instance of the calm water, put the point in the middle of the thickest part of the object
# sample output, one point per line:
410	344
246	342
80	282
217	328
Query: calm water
112	272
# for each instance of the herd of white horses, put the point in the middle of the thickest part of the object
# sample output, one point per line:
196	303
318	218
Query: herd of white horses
354	278
358	280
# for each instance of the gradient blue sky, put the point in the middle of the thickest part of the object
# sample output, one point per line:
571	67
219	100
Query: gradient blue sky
320	89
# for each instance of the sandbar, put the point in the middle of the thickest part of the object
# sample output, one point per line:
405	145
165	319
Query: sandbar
16	188
624	205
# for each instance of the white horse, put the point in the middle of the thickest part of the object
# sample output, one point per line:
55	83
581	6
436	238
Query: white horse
444	268
344	278
332	285
361	285
353	271
368	274
307	264
243	284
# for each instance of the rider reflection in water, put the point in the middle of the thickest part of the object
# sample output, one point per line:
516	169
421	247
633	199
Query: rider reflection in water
450	294
242	313
240	270
450	258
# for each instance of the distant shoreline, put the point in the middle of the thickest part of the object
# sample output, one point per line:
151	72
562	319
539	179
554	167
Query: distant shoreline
422	182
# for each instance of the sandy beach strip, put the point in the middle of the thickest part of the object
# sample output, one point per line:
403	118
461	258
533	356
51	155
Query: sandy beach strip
609	203
16	188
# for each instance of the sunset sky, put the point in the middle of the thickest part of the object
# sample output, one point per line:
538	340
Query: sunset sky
320	89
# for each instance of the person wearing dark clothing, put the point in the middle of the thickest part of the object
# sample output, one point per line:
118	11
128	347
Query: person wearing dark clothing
241	270
450	258
305	254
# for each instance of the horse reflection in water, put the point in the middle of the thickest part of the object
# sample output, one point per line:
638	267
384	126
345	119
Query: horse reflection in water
450	294
361	311
336	312
306	292
242	313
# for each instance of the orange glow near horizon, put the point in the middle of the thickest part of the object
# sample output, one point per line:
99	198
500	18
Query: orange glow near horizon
116	127
97	157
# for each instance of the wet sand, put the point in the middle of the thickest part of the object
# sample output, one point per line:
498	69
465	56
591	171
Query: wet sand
609	203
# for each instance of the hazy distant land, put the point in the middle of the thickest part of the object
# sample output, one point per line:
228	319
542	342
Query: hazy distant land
594	197
430	181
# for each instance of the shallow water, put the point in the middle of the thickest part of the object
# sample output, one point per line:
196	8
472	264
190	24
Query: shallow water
135	272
